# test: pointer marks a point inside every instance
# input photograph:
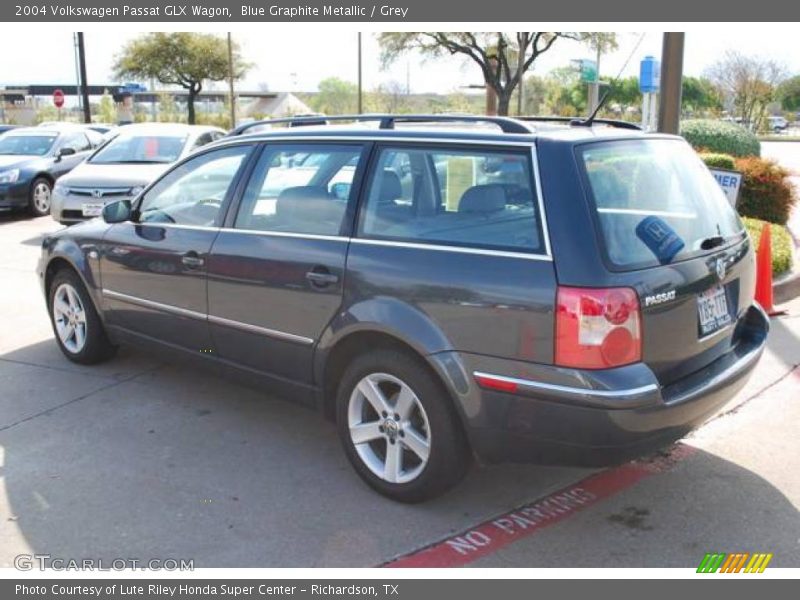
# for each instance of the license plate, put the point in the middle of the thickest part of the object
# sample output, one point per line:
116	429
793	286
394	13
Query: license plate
712	310
92	209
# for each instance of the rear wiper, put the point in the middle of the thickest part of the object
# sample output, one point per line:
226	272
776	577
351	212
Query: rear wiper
712	242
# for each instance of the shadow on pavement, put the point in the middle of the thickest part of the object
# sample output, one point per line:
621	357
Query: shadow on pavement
169	462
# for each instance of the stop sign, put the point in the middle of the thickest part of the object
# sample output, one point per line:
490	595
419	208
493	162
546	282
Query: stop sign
58	98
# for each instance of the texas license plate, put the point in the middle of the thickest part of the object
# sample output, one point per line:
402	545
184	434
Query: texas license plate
92	209
712	310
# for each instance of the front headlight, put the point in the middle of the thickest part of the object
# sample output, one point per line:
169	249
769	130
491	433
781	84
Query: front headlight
9	176
60	190
135	191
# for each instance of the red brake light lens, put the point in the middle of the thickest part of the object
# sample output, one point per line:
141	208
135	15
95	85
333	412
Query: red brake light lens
597	328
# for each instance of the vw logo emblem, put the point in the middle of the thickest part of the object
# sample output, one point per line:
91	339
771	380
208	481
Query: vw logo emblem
97	193
720	268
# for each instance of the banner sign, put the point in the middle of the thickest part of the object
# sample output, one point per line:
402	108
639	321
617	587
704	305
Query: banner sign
730	182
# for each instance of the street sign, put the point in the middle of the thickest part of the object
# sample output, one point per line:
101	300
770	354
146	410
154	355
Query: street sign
730	182
588	70
58	98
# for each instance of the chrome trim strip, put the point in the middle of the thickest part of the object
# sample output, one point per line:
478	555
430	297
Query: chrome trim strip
565	389
273	333
540	198
459	249
287	234
183	312
176	226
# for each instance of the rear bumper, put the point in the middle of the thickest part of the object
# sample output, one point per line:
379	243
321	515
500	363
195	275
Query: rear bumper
594	418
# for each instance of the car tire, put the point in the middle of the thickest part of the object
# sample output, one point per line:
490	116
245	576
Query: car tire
40	198
413	448
77	326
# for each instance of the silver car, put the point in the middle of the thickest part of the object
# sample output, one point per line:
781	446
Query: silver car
123	166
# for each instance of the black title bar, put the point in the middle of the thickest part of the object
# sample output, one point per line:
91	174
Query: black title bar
396	11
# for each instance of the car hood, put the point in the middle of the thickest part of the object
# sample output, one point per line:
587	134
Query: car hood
16	160
112	175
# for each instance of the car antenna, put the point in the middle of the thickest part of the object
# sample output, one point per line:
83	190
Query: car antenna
590	119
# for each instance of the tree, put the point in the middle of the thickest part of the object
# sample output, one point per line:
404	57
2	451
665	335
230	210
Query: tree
503	58
107	110
700	94
789	93
335	97
602	42
748	83
182	59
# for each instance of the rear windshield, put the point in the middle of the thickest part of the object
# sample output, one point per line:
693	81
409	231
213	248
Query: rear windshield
141	149
656	202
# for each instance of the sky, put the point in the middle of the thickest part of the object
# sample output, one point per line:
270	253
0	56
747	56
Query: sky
283	61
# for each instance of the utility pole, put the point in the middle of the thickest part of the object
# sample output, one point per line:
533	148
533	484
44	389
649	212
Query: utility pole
87	110
360	95
669	113
230	81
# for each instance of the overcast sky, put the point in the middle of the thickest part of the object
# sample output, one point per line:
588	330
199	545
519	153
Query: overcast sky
284	62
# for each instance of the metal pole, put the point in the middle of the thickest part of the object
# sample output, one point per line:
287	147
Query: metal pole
87	110
360	98
669	112
230	81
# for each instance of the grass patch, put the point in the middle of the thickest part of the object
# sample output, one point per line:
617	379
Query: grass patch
779	138
781	244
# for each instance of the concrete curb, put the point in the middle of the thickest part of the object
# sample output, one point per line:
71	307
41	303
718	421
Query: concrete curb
788	287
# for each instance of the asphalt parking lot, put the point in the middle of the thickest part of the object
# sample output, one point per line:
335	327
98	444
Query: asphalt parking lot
145	459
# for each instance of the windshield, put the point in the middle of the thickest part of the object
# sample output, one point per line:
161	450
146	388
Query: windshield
31	145
141	149
656	202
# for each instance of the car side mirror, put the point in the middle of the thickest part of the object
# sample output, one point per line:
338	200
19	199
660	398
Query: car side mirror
117	212
65	152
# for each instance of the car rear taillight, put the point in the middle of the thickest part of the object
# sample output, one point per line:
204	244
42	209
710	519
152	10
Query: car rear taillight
597	328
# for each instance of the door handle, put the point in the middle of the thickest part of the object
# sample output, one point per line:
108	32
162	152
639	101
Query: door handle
192	260
321	277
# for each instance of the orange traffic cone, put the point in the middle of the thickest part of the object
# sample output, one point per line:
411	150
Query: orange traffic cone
764	272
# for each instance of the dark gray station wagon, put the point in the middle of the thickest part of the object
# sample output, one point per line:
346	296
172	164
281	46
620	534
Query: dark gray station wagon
567	293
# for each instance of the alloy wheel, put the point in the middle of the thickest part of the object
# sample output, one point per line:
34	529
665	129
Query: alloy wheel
389	428
69	316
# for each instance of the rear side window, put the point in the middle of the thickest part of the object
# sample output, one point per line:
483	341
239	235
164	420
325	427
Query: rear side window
656	202
442	196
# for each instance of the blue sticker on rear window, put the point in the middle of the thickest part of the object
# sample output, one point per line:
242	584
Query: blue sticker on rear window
660	238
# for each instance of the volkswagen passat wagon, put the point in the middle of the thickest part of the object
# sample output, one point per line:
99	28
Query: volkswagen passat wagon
512	291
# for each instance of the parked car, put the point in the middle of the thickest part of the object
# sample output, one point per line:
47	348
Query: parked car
32	159
124	166
778	124
4	127
579	294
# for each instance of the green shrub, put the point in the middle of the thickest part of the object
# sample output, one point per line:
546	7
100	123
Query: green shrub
766	192
715	160
781	244
719	136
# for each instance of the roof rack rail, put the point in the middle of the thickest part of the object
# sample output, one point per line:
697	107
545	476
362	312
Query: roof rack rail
575	121
506	124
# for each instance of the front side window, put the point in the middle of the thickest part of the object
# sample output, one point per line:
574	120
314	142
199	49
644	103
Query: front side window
77	141
481	199
193	193
300	189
